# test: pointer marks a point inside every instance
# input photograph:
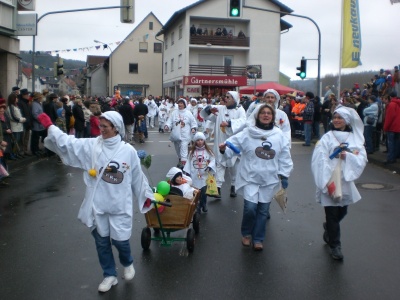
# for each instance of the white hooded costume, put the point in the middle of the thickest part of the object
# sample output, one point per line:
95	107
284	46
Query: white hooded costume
199	163
183	119
265	154
281	118
186	188
237	117
108	202
352	167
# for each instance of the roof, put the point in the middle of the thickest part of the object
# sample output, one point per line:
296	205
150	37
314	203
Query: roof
93	60
283	8
27	72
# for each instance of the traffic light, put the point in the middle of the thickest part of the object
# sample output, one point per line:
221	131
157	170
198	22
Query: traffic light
128	13
58	67
235	8
303	69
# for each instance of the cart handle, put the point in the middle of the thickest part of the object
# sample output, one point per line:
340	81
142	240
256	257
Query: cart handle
165	203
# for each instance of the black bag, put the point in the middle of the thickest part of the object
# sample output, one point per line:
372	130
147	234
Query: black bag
370	120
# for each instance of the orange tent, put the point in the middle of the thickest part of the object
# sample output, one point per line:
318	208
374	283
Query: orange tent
281	89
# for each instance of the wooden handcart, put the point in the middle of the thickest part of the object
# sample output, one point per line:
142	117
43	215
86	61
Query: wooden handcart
181	213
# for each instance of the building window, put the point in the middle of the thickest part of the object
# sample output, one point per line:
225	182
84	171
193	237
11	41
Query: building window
143	46
133	68
150	25
172	65
166	43
157	47
180	31
172	38
165	68
180	61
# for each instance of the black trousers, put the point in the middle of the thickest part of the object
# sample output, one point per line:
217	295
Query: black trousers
333	215
35	140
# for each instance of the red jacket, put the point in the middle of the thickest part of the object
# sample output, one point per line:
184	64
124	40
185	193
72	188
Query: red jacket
392	117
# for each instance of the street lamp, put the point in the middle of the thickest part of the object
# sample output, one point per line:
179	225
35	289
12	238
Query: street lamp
109	67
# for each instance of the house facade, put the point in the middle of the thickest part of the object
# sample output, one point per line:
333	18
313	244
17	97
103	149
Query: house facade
97	76
209	63
135	66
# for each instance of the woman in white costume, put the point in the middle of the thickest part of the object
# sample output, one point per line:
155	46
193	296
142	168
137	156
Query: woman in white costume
346	140
281	119
265	165
113	178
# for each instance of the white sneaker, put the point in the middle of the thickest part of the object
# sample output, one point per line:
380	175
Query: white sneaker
107	283
129	272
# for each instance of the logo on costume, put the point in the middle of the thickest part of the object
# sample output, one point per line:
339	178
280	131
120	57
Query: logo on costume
111	173
265	151
200	162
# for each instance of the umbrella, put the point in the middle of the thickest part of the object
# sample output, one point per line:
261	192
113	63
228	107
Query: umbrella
281	89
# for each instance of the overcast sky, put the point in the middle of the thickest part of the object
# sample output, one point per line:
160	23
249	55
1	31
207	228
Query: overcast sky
380	23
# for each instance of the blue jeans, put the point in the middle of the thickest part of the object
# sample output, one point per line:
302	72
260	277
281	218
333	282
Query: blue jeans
368	132
393	145
254	220
105	254
316	129
307	132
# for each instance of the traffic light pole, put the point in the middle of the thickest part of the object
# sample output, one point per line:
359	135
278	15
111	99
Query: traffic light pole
319	38
61	12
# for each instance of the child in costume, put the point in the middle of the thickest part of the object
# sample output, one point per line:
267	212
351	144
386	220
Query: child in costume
180	181
201	161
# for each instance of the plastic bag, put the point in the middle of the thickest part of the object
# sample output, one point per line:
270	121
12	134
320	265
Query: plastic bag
3	172
281	198
335	183
212	188
175	135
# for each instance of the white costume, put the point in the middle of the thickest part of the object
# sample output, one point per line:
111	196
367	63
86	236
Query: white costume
153	109
237	117
162	114
192	108
107	205
185	120
352	167
198	164
281	118
265	154
186	188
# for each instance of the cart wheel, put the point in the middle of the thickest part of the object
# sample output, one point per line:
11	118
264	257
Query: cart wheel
196	223
190	239
146	238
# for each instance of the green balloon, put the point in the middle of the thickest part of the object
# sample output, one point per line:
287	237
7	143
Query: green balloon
163	188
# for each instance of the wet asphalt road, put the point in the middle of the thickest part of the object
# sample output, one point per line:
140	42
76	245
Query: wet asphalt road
46	253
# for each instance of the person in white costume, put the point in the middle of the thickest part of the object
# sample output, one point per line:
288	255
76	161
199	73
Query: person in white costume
179	180
201	161
265	165
281	119
346	138
153	110
113	178
162	115
183	119
228	119
192	106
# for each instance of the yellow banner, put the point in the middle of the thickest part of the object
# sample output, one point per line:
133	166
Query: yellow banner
351	34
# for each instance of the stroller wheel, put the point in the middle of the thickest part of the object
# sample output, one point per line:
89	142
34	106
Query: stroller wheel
146	238
190	239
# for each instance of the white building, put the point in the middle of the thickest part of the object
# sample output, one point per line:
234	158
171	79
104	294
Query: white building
210	64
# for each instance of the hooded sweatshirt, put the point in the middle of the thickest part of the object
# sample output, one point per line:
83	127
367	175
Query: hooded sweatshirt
392	118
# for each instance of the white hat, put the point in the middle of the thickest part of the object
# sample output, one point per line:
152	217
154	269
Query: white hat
116	119
199	136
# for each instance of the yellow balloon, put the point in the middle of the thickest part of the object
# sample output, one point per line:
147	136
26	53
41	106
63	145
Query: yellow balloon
158	197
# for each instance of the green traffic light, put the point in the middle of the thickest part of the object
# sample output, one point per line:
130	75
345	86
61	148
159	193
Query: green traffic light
303	75
234	12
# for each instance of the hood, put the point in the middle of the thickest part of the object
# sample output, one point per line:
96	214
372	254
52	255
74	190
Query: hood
173	173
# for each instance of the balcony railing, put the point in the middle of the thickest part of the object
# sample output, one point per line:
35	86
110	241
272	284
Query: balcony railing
217	70
214	40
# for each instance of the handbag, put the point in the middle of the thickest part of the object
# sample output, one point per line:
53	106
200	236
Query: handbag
212	189
71	122
370	120
175	135
335	183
